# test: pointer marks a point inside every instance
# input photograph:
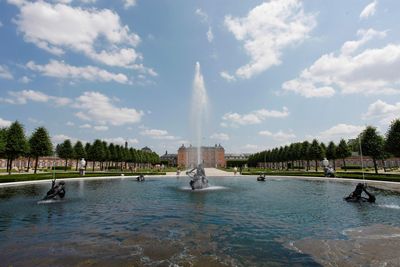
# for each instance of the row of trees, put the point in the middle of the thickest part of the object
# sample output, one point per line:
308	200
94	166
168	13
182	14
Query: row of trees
372	144
109	155
14	144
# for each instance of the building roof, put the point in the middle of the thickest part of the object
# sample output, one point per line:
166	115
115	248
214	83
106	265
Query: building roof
146	149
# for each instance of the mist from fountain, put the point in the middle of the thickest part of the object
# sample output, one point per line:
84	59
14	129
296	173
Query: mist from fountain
199	109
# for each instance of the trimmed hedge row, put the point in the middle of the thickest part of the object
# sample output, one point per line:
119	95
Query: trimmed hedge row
59	175
352	175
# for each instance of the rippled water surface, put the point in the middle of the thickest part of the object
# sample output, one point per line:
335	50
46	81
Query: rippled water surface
160	222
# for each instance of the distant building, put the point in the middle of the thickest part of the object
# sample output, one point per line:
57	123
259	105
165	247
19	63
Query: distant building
213	156
146	149
237	156
172	159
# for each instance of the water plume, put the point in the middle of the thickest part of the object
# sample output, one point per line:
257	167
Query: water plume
199	109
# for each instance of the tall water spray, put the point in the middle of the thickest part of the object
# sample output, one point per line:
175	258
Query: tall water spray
199	112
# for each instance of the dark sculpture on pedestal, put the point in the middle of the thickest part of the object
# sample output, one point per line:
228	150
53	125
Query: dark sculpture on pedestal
355	196
198	178
56	191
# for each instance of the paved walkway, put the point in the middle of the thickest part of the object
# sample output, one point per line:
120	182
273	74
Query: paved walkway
209	172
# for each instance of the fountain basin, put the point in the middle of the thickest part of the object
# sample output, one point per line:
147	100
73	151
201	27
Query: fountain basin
242	222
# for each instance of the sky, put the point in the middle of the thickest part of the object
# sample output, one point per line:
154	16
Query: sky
275	72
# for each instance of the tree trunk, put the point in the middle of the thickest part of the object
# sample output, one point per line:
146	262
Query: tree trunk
93	165
76	165
344	164
29	163
36	163
383	165
66	164
316	165
10	166
308	165
334	164
376	168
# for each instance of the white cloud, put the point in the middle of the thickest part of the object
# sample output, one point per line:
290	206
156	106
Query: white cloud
59	138
25	80
121	141
249	148
158	134
220	136
350	47
100	128
339	131
234	119
369	10
267	30
4	123
97	33
98	108
278	136
22	97
371	71
129	3
59	69
203	16
383	111
226	76
5	73
70	123
210	35
85	126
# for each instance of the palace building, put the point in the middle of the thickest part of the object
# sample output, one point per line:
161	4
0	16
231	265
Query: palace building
211	157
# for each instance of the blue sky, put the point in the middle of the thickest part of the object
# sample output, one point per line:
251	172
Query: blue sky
275	72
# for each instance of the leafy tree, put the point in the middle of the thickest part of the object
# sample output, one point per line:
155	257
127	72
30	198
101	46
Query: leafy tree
15	143
331	153
40	145
97	151
316	153
88	150
107	154
79	153
343	151
3	133
372	145
113	153
392	144
65	151
354	145
305	153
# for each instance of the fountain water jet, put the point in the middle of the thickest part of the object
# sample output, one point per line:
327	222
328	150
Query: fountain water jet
199	112
199	115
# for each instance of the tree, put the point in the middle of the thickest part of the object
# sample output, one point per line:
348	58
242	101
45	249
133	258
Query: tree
3	134
65	151
15	143
79	152
372	144
305	153
392	142
331	153
343	151
316	153
107	153
40	145
88	150
97	151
